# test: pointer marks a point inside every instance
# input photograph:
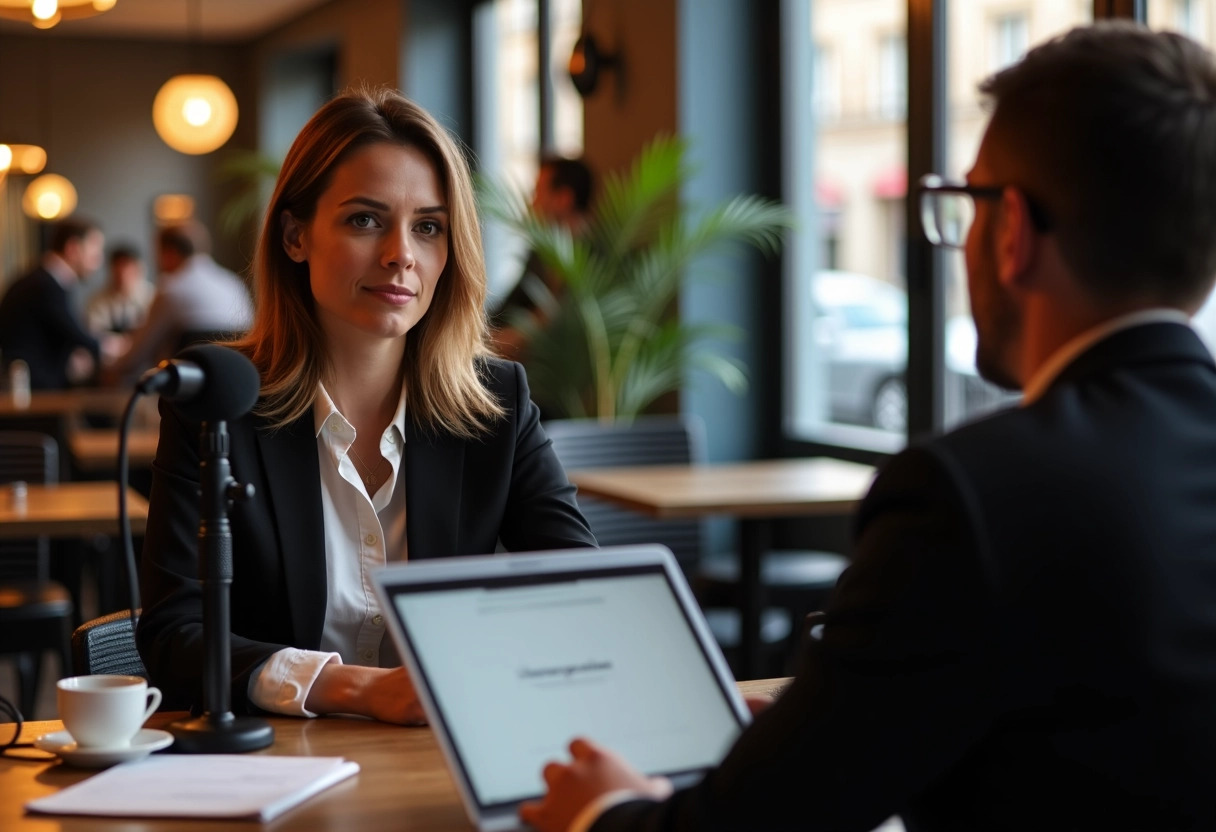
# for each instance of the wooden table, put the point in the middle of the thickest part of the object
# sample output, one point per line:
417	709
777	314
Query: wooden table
755	492
68	403
96	449
70	509
403	784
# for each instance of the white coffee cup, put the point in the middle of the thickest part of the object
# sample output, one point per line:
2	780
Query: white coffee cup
104	711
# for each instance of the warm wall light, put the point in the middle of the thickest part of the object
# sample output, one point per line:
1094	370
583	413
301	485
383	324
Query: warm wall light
27	158
46	13
194	113
49	197
172	208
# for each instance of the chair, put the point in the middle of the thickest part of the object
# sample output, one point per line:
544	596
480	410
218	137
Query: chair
794	582
35	612
107	645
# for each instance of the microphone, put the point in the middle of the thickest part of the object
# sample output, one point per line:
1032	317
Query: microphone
208	382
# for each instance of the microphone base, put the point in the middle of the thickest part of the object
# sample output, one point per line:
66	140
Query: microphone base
220	734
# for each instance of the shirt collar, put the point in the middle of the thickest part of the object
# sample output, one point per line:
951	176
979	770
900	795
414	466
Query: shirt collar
1050	369
324	409
59	269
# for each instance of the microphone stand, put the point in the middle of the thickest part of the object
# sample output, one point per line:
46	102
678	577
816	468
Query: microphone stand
217	730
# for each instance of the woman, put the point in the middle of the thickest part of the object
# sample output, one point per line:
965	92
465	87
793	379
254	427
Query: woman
384	429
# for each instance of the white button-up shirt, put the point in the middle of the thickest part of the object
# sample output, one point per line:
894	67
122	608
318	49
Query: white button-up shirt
362	532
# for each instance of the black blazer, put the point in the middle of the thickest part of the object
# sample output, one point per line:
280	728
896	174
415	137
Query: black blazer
462	497
37	325
1026	639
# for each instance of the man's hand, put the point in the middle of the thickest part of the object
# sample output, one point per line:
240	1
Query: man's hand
594	771
385	694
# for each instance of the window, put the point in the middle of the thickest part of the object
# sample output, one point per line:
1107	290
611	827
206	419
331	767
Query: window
847	317
893	77
507	105
825	84
1009	37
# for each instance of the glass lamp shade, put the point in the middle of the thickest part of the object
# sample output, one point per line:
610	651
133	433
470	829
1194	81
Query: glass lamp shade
49	197
194	113
22	158
46	13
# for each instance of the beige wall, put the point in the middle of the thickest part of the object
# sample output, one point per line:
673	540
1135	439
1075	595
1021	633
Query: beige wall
630	107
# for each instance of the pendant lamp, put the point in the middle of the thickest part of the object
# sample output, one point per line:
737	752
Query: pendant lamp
46	13
50	196
194	113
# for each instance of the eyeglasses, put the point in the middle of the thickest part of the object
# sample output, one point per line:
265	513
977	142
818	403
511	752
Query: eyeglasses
947	209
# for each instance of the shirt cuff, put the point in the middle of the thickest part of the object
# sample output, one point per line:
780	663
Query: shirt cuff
282	683
585	819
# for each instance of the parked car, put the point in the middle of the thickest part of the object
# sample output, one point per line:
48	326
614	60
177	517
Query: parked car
861	329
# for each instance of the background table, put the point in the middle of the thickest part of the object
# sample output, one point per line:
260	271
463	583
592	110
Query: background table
70	509
403	784
95	450
755	492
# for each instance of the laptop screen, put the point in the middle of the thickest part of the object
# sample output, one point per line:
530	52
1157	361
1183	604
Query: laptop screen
518	665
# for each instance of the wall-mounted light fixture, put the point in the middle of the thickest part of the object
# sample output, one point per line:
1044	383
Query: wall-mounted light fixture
587	62
44	14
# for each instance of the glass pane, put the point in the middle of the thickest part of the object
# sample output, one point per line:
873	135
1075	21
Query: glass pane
983	36
508	100
846	173
1196	19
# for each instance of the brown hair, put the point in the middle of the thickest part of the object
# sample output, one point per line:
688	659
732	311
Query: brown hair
443	385
1111	130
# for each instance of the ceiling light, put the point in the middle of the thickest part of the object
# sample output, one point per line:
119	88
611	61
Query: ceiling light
49	197
46	13
194	113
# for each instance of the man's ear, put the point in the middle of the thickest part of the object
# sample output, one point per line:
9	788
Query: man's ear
293	237
1016	238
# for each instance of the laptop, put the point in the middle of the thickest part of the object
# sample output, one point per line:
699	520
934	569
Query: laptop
515	655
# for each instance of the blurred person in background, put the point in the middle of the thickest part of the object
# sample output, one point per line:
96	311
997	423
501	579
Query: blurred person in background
196	299
38	323
563	194
121	306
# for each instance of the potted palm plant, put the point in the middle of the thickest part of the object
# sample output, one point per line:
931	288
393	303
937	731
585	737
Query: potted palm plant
608	343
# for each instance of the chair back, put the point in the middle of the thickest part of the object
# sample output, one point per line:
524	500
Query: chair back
27	456
107	645
654	440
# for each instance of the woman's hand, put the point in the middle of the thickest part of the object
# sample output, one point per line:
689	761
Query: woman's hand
382	693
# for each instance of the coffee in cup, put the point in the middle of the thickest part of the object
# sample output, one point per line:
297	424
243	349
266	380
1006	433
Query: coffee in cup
104	711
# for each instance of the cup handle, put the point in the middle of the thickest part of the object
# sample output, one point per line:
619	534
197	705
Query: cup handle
154	696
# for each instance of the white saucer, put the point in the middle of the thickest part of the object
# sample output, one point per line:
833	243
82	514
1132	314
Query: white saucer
142	744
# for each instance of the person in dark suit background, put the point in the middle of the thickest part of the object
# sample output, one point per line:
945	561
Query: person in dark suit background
562	195
1026	638
384	431
37	322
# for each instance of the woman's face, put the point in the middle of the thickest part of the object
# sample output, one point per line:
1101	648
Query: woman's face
376	244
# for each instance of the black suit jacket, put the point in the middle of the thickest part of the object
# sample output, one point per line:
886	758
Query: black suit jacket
37	325
1027	636
462	497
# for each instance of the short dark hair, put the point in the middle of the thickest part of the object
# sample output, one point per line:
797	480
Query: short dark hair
123	251
73	228
187	239
573	174
1110	129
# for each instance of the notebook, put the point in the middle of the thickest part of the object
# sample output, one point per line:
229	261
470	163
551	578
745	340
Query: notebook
514	655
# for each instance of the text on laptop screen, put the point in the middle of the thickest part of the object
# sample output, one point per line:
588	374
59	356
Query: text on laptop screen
518	669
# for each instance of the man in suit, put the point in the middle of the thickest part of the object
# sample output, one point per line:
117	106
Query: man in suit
37	323
1027	636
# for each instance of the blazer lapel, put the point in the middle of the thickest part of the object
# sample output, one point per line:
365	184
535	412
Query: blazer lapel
293	492
434	470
